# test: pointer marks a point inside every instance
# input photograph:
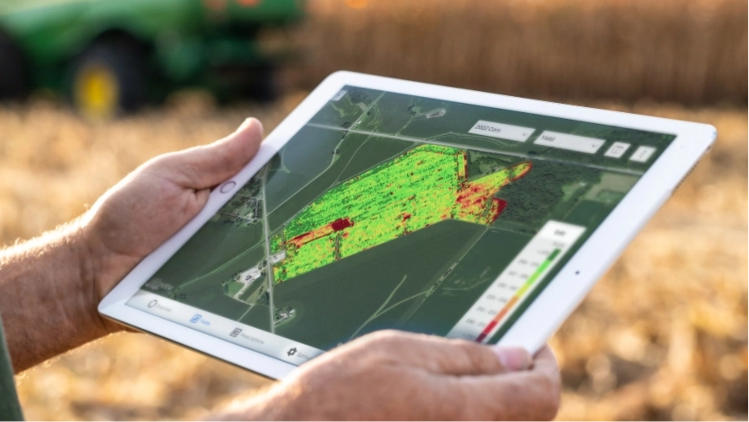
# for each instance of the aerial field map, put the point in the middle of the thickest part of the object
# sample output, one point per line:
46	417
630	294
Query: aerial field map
393	211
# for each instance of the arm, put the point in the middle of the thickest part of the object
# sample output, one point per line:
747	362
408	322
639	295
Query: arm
50	286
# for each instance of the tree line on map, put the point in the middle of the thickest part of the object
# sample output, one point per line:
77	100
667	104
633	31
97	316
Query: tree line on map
531	198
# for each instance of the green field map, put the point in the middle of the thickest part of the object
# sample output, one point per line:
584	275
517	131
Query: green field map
384	211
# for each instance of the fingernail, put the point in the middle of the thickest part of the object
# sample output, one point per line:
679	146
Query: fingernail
513	358
247	122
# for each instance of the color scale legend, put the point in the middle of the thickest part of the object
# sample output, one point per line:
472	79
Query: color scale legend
523	274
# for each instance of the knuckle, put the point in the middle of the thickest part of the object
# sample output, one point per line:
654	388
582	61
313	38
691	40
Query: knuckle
382	340
391	334
387	336
159	162
465	344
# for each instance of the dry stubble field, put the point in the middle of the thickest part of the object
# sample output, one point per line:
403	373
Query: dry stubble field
663	335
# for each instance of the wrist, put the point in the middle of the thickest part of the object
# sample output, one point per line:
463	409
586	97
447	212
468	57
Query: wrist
48	296
80	298
96	278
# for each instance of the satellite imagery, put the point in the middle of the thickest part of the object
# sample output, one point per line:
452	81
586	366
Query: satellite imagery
393	211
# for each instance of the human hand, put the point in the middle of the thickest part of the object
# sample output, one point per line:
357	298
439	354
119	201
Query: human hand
152	203
55	281
394	375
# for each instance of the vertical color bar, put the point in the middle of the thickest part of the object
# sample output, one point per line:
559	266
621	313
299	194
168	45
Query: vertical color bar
521	291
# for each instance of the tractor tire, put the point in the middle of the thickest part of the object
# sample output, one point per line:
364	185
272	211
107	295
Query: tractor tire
233	83
13	83
109	79
264	84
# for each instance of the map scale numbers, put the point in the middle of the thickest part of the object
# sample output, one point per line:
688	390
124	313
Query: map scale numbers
514	284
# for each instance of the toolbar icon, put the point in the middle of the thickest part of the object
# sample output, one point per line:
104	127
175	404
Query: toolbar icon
617	150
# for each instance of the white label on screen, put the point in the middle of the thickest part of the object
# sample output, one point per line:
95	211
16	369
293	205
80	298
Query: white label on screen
501	130
642	154
569	142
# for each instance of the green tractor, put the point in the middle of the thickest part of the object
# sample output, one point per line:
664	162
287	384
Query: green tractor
112	56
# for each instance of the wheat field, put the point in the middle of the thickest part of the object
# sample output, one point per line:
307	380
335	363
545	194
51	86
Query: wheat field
664	333
687	51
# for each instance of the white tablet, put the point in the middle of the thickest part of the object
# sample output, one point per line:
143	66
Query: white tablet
382	203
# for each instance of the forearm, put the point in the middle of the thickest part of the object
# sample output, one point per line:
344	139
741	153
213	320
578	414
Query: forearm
47	296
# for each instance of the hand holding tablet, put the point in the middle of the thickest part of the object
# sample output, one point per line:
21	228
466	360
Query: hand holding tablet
381	203
393	375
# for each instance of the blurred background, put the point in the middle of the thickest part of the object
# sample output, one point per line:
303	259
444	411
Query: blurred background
91	89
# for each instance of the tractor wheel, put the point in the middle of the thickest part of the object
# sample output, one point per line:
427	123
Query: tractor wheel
242	82
264	84
109	79
13	83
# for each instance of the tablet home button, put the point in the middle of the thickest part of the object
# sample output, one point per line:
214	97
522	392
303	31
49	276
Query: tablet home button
227	187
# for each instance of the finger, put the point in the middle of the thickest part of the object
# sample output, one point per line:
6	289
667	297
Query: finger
526	395
206	166
438	355
545	361
513	358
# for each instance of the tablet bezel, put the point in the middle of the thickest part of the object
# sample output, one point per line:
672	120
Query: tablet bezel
549	309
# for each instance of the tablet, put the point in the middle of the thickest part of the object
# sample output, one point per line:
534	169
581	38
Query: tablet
381	203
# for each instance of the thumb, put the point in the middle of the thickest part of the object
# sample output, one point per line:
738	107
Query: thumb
208	165
450	357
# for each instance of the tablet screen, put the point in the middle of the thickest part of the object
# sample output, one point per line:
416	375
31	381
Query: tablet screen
393	211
